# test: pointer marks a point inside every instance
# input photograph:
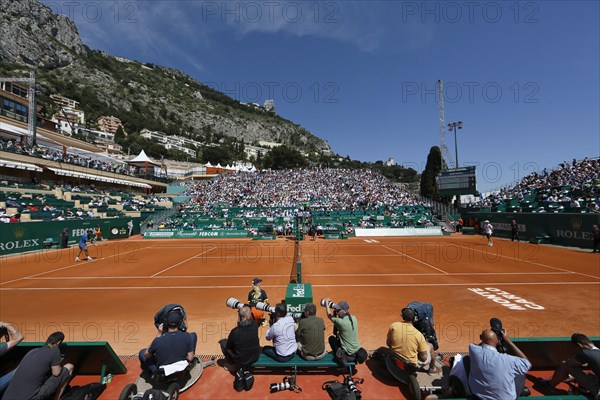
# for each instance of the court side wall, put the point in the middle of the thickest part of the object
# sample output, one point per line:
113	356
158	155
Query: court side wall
27	236
563	229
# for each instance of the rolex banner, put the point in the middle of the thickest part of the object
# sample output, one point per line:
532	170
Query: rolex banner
27	236
563	229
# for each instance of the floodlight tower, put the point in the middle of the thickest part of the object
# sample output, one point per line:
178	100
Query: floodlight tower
446	156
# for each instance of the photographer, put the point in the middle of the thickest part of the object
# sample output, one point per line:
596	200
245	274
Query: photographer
586	357
283	336
13	337
242	346
170	346
493	375
311	334
344	343
40	374
409	344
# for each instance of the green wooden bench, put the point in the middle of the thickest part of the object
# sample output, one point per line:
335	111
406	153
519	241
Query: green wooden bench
49	242
88	358
298	363
540	238
547	353
468	230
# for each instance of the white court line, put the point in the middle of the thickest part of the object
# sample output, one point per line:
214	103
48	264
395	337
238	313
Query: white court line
534	263
179	263
286	275
416	259
69	266
167	277
449	274
488	284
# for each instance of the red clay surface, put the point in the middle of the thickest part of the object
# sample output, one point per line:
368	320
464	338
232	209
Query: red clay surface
551	291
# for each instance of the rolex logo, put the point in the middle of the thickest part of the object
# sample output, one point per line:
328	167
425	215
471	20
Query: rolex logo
576	223
19	232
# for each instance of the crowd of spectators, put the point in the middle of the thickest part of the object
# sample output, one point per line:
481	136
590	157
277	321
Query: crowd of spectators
64	157
574	185
318	189
97	201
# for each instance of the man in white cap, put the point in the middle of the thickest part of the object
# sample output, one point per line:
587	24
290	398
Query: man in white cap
488	229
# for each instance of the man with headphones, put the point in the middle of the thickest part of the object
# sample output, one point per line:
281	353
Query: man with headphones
310	334
404	340
171	346
344	342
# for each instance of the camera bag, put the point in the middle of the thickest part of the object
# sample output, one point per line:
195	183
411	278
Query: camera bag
338	390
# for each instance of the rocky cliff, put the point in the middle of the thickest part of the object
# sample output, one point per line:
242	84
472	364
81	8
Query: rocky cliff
141	95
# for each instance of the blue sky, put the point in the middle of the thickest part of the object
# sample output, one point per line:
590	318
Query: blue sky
523	76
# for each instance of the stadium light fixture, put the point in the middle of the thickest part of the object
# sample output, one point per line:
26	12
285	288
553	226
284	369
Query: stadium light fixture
452	127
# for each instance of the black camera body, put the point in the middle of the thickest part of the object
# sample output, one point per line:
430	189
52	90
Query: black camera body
4	334
496	326
288	383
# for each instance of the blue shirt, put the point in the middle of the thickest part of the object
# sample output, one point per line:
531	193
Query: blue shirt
492	375
84	239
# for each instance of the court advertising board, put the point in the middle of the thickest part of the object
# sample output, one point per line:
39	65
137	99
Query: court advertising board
196	234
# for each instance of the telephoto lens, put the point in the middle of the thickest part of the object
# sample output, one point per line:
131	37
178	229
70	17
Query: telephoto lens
265	307
234	303
352	386
280	386
324	303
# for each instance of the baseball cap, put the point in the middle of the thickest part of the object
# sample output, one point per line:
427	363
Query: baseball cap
486	221
342	305
256	281
173	319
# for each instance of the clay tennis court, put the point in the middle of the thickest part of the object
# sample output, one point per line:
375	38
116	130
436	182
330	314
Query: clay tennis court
536	290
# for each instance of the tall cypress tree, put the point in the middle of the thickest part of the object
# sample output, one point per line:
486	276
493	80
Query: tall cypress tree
433	167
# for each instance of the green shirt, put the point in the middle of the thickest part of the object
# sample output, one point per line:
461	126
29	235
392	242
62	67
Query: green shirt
311	334
347	332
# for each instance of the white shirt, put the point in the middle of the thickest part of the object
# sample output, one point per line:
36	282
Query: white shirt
283	335
488	228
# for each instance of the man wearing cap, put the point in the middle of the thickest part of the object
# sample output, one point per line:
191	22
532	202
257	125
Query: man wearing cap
344	342
257	294
169	347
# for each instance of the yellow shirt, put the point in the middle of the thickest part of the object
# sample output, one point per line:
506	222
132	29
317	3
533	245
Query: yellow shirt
407	342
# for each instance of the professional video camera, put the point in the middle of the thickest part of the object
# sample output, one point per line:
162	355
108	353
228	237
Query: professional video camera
496	326
424	321
161	316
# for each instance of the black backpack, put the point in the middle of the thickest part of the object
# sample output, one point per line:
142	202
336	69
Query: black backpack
154	394
244	380
91	391
338	390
